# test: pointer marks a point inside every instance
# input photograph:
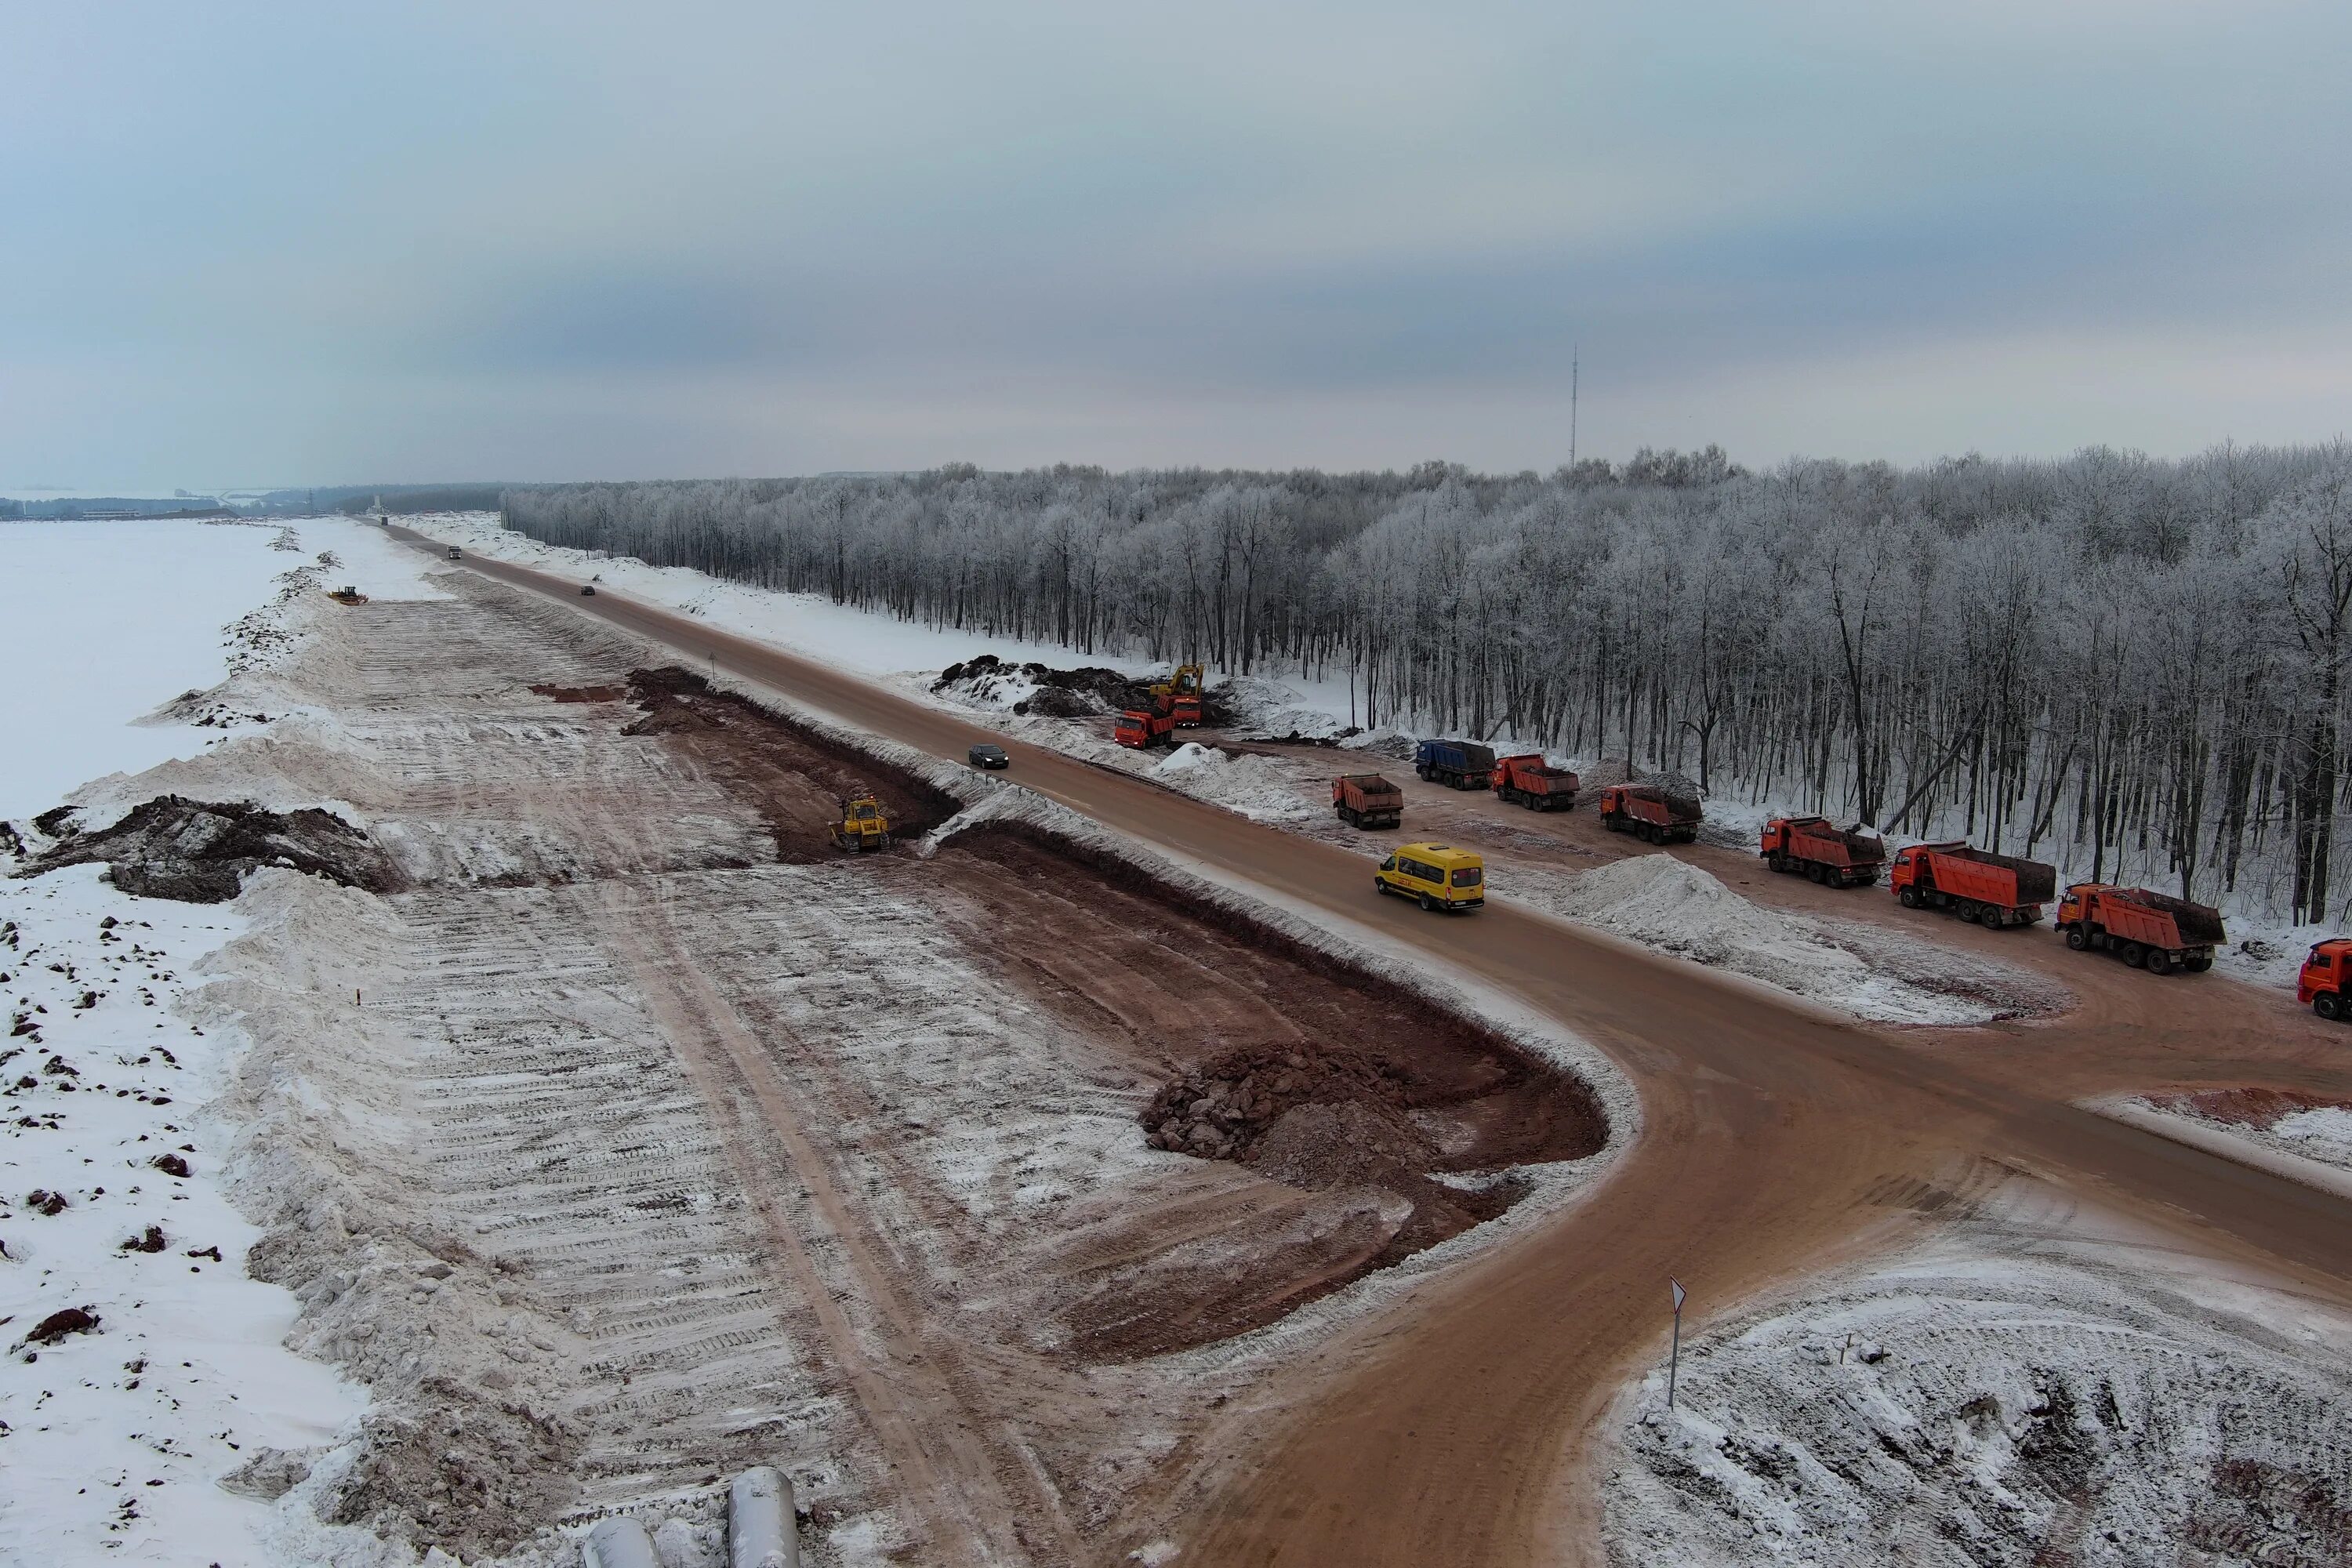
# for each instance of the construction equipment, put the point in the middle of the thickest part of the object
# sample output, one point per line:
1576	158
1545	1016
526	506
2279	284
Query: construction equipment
1651	812
1975	884
862	824
1367	800
1457	764
2146	930
2324	983
1530	781
348	595
456	553
1817	847
1180	695
1146	727
1439	875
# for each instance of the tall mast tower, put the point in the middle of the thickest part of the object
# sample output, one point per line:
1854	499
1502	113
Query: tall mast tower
1574	354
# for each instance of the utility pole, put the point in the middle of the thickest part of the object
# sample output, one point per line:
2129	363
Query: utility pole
1675	1366
1575	352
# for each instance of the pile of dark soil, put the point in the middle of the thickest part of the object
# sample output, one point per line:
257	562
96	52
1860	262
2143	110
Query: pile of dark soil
199	852
581	693
798	776
1060	693
1221	1110
1086	692
471	1475
1321	1117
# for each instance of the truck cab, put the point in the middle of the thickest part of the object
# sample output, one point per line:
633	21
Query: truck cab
2324	983
1438	874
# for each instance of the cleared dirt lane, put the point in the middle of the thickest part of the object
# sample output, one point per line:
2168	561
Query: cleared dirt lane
1778	1138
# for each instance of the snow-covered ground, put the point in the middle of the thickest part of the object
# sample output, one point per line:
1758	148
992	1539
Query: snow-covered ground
2302	1137
117	1431
101	623
1673	907
2015	1392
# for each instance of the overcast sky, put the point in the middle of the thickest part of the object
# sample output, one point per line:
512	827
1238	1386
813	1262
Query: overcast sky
288	244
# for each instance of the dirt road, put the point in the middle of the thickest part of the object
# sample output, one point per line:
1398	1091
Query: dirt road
1453	1429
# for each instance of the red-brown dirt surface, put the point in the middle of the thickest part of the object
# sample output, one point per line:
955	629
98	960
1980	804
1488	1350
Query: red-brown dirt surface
1457	1427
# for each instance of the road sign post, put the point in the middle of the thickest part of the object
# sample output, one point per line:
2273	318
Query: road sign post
1675	1361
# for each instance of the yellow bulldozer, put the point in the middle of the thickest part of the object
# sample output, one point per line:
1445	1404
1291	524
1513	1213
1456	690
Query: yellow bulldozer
862	824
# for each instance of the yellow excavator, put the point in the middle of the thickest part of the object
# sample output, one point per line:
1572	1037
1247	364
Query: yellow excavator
863	825
1180	696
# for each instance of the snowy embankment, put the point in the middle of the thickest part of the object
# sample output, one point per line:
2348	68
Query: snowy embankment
2303	1137
1965	1409
1671	906
143	1365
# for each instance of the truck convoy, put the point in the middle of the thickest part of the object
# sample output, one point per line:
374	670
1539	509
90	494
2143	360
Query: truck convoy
2324	985
2146	929
1457	764
1650	813
1367	800
1530	782
1815	846
1975	884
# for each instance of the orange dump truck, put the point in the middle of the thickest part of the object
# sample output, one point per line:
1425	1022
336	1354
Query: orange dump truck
2146	929
1817	847
1974	884
2325	983
1143	727
1530	782
1367	800
1648	811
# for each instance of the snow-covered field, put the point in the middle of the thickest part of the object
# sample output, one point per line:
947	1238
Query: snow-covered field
116	1431
2010	1393
100	623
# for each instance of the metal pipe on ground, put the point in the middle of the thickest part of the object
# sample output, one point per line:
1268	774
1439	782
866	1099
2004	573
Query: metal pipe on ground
618	1543
762	1529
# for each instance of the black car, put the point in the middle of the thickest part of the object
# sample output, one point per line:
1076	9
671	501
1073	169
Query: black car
987	756
587	590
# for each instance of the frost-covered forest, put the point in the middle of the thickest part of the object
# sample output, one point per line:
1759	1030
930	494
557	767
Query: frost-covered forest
2134	666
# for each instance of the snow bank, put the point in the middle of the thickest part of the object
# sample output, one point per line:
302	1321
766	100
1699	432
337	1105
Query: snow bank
1675	907
1964	1410
117	1439
2299	1136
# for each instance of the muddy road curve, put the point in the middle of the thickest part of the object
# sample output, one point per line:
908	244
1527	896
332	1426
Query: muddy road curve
1454	1429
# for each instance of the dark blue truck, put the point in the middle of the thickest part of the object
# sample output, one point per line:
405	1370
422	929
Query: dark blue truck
1458	764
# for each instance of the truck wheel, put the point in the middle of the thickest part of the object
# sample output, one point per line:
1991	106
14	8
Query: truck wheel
1428	903
2159	962
2199	964
1969	911
1908	898
2327	1005
2077	939
1819	873
1778	861
2134	954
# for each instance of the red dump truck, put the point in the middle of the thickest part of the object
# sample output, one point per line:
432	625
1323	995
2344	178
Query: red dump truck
1367	800
1648	811
1530	782
2146	929
1975	884
1817	847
